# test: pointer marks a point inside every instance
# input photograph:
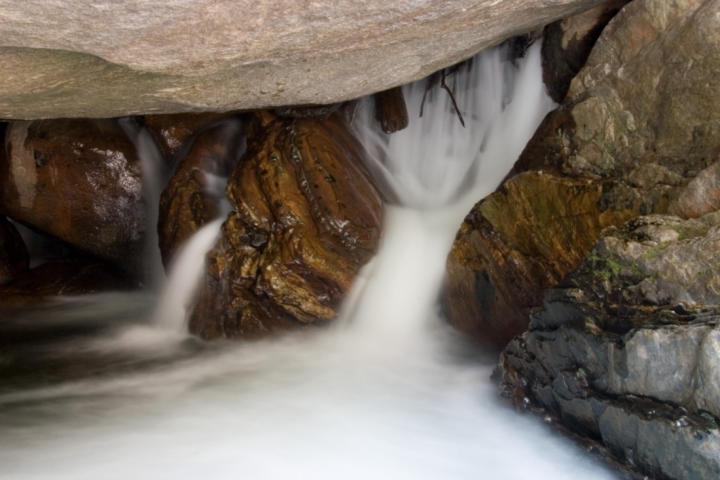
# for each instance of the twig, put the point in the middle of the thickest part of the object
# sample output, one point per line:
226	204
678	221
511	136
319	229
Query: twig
452	98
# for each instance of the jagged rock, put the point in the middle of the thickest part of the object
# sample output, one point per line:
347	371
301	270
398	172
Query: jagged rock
701	195
516	243
61	277
78	180
80	59
305	219
14	257
195	194
626	350
639	120
171	132
568	42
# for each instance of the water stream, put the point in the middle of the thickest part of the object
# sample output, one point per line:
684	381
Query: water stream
94	391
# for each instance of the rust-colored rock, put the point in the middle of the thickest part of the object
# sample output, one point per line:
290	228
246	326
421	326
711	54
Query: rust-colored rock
78	180
60	277
306	218
173	131
14	257
192	197
516	243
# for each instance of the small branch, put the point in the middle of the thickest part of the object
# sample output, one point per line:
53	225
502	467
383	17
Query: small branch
452	98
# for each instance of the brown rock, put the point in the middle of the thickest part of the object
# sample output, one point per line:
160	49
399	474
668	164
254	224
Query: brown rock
517	242
171	132
60	277
306	218
191	199
390	110
639	122
78	180
701	196
14	257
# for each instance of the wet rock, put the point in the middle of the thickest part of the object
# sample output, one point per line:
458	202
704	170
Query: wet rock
61	277
567	44
82	60
625	351
195	194
78	180
639	121
305	219
14	257
517	242
171	132
390	110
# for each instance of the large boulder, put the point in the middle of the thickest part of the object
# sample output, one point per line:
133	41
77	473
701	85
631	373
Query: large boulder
78	180
195	194
626	352
639	122
306	218
92	58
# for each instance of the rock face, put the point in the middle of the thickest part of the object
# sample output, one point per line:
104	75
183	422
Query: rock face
206	55
195	193
79	181
626	351
305	219
568	42
639	121
519	241
13	254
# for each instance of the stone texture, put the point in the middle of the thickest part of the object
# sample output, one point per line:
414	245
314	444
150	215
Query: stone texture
633	371
78	180
568	42
106	59
14	257
520	240
172	132
194	196
640	121
305	219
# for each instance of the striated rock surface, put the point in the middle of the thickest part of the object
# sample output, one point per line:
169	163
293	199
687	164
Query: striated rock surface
78	180
639	121
195	194
14	257
305	219
520	240
106	58
626	352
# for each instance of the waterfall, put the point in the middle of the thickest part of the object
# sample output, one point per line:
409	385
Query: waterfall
390	392
438	168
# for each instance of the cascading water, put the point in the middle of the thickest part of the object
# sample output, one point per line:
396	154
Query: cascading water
390	392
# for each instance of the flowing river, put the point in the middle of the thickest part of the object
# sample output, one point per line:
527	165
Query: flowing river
110	386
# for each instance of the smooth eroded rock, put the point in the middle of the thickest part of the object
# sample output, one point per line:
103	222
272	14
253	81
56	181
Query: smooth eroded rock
306	218
517	242
78	180
107	59
195	194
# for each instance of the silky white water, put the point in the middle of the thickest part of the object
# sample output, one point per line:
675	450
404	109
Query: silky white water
388	392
